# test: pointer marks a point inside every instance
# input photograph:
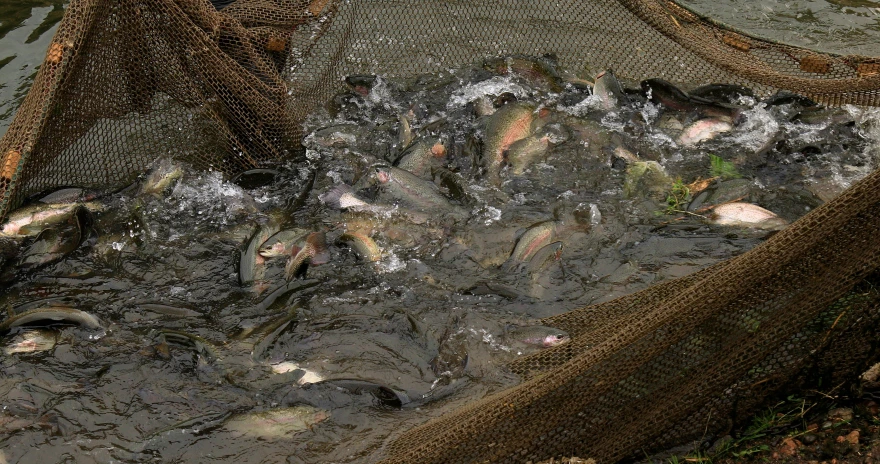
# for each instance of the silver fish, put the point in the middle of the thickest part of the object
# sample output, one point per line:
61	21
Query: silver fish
538	335
746	215
278	424
52	313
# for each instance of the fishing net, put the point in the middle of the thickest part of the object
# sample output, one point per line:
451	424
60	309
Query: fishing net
125	82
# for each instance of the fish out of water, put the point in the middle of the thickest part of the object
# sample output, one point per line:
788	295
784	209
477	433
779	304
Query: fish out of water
33	219
164	174
275	424
282	243
421	156
704	129
252	265
410	191
746	215
364	246
540	71
538	335
673	98
313	252
509	124
609	91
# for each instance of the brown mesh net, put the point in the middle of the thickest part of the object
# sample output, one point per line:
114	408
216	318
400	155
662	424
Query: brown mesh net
127	81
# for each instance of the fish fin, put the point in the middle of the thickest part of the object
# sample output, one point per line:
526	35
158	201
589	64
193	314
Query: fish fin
320	254
333	197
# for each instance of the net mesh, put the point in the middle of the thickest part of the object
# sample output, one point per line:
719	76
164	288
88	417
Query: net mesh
127	81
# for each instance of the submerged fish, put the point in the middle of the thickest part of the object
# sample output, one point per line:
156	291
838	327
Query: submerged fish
509	124
313	251
747	215
282	243
275	423
51	314
364	246
609	91
704	129
538	335
452	354
30	341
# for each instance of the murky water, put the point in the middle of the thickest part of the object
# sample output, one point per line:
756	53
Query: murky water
190	364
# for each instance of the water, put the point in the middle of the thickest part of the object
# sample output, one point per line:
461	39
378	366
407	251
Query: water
190	363
155	265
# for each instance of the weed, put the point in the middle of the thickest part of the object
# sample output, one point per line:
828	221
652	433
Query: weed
722	169
678	197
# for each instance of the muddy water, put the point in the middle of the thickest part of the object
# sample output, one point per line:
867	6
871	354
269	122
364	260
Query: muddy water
154	266
192	365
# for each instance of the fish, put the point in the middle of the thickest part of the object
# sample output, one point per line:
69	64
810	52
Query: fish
538	335
535	238
251	266
385	395
410	191
673	98
609	91
30	341
722	93
421	156
523	153
186	341
343	197
165	173
53	244
51	313
404	131
313	252
509	124
282	243
746	215
545	255
703	129
30	220
280	423
452	354
364	246
540	71
68	195
362	83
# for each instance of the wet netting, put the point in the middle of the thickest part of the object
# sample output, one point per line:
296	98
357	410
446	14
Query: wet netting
125	82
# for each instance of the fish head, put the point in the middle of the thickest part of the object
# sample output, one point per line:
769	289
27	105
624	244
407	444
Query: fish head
275	249
382	174
555	340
